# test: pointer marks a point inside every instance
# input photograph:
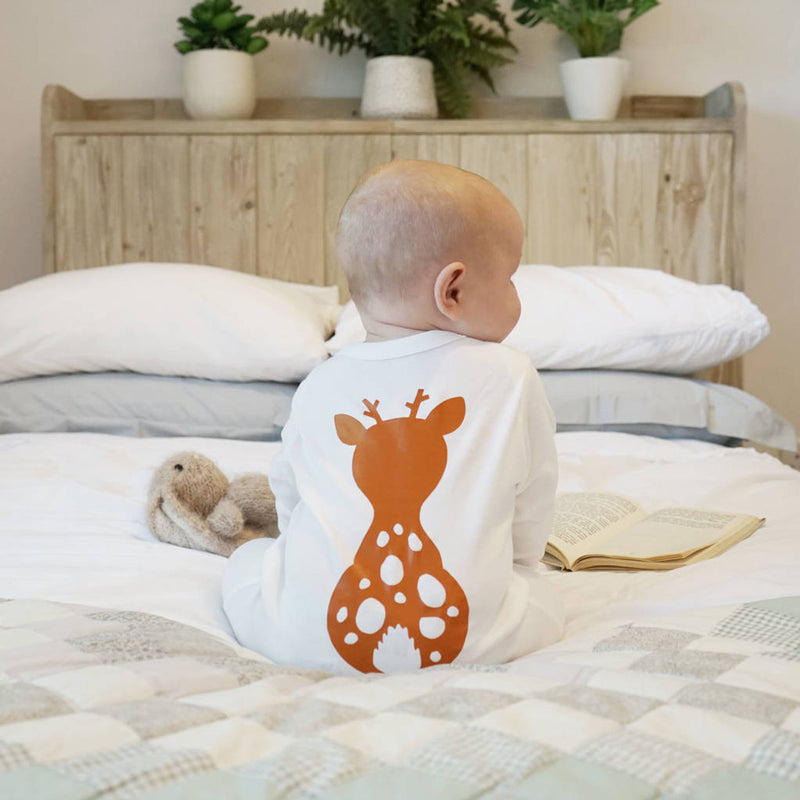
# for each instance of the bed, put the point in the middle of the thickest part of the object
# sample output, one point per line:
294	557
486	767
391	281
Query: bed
119	675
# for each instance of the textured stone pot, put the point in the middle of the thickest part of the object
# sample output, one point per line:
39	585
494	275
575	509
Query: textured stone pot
399	86
219	84
593	86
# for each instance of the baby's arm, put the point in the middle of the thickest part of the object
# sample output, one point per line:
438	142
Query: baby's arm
533	511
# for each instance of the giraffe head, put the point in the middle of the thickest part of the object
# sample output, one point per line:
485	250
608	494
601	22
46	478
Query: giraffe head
400	460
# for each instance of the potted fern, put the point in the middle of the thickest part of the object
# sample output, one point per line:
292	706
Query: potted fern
593	82
219	74
418	51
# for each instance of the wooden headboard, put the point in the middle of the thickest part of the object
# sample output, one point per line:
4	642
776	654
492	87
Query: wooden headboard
662	186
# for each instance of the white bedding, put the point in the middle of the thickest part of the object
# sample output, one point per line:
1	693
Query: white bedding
73	527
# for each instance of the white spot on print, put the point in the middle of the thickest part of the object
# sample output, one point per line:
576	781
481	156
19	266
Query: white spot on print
398	529
341	614
396	652
392	570
363	583
383	538
452	611
431	627
430	590
436	656
351	638
414	542
399	598
370	616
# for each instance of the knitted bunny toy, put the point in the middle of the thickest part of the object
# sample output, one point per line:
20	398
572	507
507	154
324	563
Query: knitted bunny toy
192	504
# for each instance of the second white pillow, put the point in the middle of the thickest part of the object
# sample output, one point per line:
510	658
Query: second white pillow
621	318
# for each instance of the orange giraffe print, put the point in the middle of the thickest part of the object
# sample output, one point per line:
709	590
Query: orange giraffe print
396	607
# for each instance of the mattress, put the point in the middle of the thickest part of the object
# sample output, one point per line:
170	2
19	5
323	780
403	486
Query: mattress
119	676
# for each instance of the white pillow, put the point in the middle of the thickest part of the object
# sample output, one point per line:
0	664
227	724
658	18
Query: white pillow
165	319
620	318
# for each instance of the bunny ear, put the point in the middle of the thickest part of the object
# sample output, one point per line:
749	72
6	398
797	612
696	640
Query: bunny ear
447	416
349	429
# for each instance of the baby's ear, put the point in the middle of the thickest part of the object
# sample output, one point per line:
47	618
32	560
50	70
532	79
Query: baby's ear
447	290
349	429
447	416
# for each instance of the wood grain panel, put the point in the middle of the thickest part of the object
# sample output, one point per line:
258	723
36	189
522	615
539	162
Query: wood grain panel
223	201
503	160
291	208
696	210
347	157
444	148
88	203
627	181
562	210
155	198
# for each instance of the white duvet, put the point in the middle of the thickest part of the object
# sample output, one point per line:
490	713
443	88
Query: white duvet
73	525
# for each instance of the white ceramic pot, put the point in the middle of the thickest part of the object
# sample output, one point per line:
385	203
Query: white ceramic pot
219	84
593	86
399	86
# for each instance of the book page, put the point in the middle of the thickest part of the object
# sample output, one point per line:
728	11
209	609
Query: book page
675	532
595	516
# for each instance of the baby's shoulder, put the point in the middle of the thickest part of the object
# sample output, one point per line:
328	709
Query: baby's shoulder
496	359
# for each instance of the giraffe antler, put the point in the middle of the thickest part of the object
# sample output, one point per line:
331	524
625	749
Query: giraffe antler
418	400
372	410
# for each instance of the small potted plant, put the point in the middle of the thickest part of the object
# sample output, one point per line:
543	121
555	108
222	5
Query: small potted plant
418	51
219	73
592	83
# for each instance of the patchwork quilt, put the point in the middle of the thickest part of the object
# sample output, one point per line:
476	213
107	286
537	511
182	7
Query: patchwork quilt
113	704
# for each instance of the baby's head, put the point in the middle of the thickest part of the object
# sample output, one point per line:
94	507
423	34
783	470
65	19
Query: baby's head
428	246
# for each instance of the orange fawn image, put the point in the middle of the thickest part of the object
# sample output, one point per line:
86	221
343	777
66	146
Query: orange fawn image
396	607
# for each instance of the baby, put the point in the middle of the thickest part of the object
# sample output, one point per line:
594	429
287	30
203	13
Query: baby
416	481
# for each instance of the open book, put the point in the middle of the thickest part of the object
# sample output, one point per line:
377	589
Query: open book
597	530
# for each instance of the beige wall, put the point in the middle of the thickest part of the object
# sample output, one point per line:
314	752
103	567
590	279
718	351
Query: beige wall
110	48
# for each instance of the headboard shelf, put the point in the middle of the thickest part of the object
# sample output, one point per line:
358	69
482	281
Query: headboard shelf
66	113
125	180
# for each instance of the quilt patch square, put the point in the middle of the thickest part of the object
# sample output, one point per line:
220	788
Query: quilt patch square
636	637
748	703
457	705
670	766
551	724
690	663
229	742
486	759
370	695
305	717
13	756
251	697
618	706
20	701
313	767
131	770
97	685
54	738
642	684
159	717
778	754
389	736
720	735
776	630
766	673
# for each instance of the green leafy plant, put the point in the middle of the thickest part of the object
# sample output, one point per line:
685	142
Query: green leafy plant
217	24
595	26
460	37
